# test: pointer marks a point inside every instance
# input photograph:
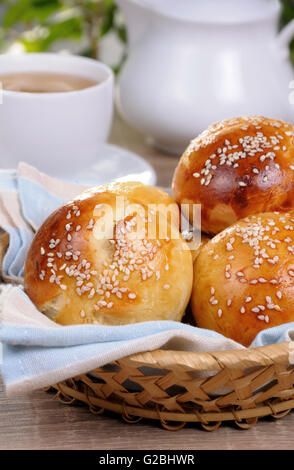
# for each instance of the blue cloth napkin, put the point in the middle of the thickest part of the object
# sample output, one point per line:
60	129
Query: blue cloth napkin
12	222
27	197
36	351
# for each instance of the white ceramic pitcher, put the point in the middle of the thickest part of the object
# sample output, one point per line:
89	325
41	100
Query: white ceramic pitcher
193	62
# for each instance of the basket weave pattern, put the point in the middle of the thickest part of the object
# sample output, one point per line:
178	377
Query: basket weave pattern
179	387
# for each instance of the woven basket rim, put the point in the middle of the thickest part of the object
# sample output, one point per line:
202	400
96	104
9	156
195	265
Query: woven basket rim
245	385
280	353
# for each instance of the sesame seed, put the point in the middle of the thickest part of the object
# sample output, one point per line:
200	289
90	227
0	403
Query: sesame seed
132	296
255	309
90	225
92	293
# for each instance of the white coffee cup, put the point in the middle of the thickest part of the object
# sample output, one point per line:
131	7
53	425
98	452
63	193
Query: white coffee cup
59	133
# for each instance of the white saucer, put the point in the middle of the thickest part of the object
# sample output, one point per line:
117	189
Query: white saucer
116	164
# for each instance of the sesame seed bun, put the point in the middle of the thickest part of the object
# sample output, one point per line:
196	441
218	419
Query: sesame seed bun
74	277
4	242
236	168
244	277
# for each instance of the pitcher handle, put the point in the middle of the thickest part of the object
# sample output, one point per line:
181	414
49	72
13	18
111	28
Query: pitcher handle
284	38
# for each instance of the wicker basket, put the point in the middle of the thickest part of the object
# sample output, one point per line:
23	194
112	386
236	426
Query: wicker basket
183	387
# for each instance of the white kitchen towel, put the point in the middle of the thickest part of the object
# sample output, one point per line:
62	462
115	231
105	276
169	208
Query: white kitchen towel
12	221
36	351
41	194
27	197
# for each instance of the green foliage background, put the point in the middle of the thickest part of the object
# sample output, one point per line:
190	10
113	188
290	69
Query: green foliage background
39	24
288	15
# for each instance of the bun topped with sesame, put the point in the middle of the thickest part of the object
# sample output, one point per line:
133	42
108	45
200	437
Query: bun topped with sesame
104	258
236	168
244	277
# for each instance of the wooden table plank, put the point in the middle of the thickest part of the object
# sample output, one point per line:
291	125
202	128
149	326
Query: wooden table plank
37	421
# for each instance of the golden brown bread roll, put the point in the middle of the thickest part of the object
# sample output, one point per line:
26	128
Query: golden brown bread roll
236	168
4	242
244	277
74	276
196	244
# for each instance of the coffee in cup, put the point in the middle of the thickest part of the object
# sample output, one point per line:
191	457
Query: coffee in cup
44	82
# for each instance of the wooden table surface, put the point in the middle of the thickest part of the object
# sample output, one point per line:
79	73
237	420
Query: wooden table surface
37	421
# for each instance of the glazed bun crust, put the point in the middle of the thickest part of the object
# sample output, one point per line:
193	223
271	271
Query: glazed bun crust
236	168
197	245
74	277
4	242
244	277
